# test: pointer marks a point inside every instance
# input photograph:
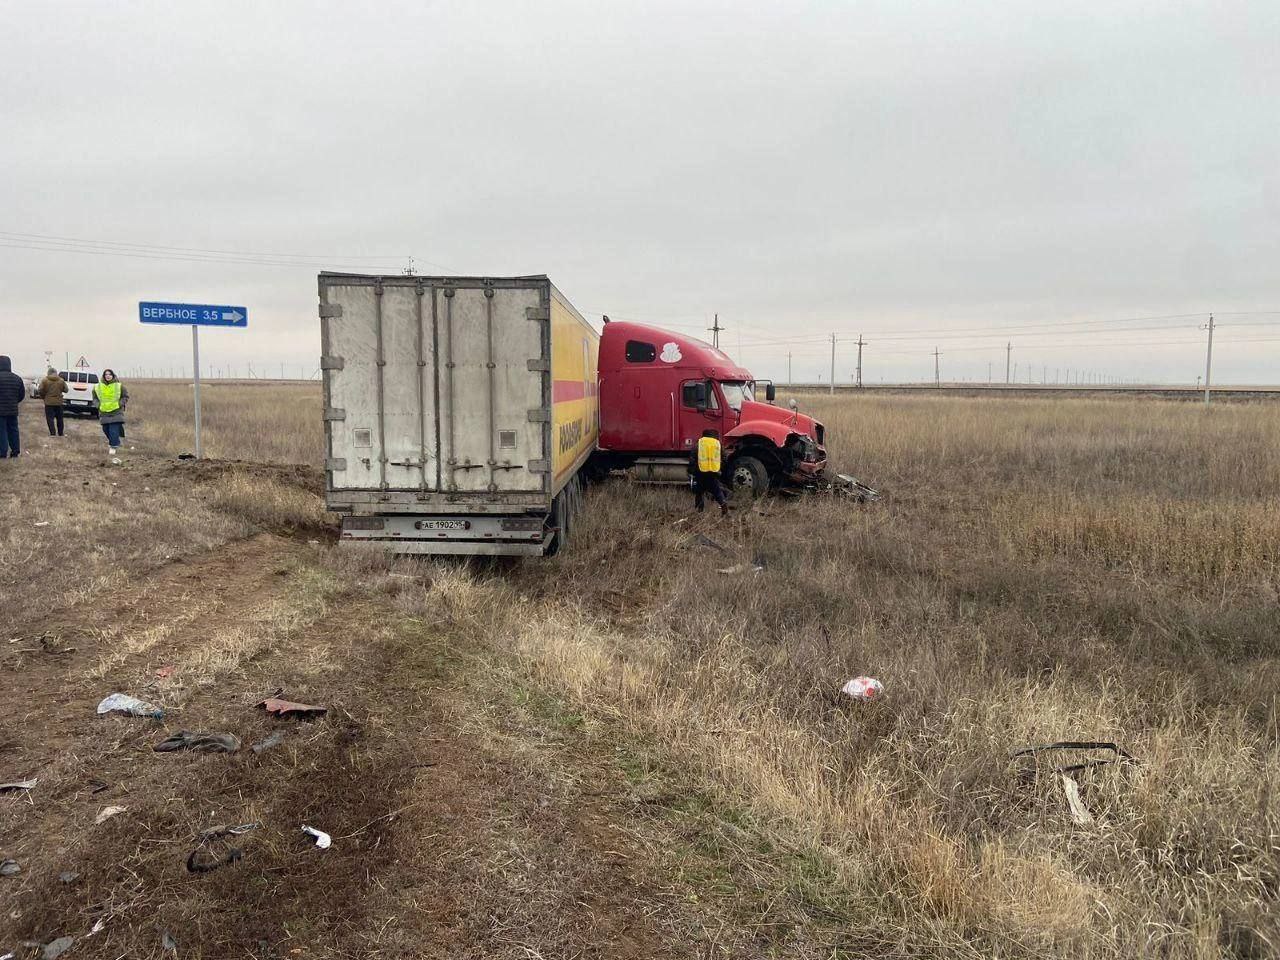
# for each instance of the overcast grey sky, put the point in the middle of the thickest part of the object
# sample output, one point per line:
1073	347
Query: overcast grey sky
801	168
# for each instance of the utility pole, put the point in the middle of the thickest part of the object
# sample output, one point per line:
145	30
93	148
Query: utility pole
1008	355
860	344
789	380
833	363
715	332
1208	362
937	370
988	371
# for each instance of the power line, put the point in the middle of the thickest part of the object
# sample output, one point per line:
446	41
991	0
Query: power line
165	248
177	258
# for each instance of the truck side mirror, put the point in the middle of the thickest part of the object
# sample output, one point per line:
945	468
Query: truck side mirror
770	392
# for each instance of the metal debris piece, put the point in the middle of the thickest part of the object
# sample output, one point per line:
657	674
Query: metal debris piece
9	868
275	739
56	948
68	877
853	488
1120	754
18	785
167	942
323	840
106	813
200	742
1080	814
287	708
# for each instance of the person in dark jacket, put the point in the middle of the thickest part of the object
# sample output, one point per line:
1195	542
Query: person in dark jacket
51	390
12	392
704	472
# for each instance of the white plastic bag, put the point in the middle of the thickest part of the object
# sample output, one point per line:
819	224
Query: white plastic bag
863	688
323	840
123	703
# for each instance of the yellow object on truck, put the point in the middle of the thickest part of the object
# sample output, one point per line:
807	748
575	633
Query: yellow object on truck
459	411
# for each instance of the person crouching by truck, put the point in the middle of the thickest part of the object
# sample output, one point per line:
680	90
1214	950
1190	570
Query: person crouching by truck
51	390
12	392
704	471
112	398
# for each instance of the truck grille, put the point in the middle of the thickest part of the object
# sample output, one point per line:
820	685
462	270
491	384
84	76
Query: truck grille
818	432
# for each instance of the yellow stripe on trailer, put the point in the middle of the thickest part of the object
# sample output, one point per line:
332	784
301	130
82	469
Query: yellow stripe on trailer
575	402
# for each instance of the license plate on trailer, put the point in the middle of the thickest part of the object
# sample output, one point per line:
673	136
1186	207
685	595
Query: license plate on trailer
442	525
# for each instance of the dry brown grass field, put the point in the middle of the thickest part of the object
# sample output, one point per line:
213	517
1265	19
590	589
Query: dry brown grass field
621	752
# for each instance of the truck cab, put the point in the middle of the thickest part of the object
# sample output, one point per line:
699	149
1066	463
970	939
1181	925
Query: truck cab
659	391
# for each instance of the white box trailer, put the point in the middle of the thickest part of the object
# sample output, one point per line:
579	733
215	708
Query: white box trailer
458	411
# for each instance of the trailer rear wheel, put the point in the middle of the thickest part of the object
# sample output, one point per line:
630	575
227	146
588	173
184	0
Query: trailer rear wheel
749	477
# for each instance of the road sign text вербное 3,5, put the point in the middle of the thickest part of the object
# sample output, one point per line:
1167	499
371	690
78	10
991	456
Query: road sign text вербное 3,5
195	314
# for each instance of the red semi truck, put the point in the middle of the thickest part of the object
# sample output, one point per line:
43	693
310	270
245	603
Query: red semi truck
659	390
461	413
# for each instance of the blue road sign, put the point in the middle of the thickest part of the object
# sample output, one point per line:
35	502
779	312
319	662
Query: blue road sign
193	314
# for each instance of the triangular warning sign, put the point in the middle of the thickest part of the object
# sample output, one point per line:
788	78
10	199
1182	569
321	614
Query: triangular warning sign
82	362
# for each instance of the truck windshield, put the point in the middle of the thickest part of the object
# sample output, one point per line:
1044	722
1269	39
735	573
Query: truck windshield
737	391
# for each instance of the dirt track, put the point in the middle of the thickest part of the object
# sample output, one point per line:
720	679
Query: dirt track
442	845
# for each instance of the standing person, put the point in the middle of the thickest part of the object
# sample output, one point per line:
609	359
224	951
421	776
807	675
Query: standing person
52	389
112	399
12	392
704	469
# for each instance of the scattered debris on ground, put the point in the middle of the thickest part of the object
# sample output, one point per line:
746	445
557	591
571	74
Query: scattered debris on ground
9	868
201	742
163	673
702	540
1080	814
1119	754
106	813
123	703
851	487
18	785
68	877
203	859
275	739
741	568
323	840
56	948
287	708
863	688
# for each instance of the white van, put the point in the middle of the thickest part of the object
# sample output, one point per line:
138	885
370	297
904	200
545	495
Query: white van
79	397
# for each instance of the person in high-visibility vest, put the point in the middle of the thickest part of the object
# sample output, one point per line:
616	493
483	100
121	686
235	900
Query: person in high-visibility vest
704	472
112	398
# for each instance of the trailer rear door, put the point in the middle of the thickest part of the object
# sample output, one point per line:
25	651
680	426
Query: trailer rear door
436	386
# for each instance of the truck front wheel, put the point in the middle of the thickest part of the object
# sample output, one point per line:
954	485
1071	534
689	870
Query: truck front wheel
748	477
